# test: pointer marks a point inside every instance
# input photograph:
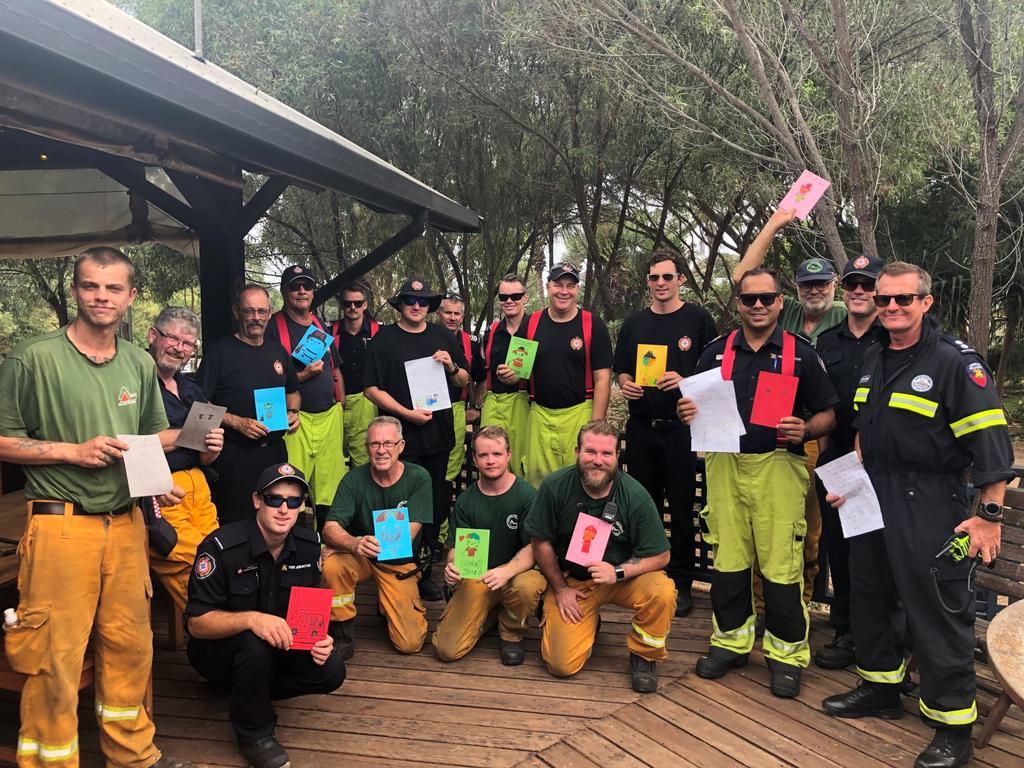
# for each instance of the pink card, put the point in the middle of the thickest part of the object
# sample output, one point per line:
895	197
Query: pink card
773	399
803	195
309	610
589	539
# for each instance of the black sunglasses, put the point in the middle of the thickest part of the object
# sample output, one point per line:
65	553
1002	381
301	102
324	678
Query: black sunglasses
511	296
276	500
901	299
667	277
346	303
299	285
851	284
751	299
416	301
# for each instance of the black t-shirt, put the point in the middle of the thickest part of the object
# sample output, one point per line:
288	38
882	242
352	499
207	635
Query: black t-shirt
318	392
353	349
392	347
894	359
475	364
232	369
685	332
499	352
843	355
177	411
559	372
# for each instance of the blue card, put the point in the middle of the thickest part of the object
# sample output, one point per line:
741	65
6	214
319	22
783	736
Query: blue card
271	408
311	346
391	527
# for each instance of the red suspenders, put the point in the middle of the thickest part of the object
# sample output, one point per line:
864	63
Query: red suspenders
588	332
788	355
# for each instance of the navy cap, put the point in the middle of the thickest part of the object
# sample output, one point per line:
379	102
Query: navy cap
869	266
275	473
294	273
564	269
815	269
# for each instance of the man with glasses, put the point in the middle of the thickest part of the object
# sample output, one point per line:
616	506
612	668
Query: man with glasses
506	402
386	483
755	498
928	413
172	340
352	335
657	443
465	402
429	435
233	367
572	375
237	603
316	446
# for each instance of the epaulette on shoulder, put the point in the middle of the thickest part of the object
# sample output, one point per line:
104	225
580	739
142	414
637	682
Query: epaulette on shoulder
722	337
802	338
962	346
306	533
231	535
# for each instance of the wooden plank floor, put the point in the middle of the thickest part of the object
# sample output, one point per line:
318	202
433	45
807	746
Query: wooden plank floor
415	711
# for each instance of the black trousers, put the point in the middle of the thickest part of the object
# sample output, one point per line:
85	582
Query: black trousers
436	465
238	468
895	565
257	674
660	459
838	550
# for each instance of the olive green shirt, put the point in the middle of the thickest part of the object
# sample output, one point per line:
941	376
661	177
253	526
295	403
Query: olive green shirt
792	318
502	515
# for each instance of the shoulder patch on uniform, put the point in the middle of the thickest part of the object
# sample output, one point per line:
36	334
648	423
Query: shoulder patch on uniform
977	374
205	565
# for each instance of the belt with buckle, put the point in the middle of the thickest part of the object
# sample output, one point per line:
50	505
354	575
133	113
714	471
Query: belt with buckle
57	508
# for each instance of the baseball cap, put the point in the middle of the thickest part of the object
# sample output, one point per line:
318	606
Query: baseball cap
869	266
275	473
815	269
417	288
296	272
564	269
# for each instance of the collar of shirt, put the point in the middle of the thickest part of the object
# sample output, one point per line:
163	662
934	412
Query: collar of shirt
258	545
740	342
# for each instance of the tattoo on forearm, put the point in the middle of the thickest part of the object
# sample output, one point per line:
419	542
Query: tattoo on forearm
34	446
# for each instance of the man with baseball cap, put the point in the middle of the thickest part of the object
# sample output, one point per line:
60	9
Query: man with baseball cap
316	446
237	603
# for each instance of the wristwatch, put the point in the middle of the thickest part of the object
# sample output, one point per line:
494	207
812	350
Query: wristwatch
992	511
620	573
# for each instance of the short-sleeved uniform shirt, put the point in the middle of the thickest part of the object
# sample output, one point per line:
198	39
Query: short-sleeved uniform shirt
559	370
502	515
843	355
814	392
232	370
791	318
234	570
637	531
499	353
353	348
359	496
685	332
176	407
53	392
318	392
475	365
391	348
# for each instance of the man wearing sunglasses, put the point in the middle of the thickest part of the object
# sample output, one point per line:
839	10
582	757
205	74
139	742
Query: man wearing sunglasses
657	443
352	335
927	413
316	446
572	375
506	402
237	603
755	498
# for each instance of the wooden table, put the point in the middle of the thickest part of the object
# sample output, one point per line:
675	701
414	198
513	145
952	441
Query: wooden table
1005	640
13	517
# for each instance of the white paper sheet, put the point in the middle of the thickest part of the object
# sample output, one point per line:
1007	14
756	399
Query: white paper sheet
717	426
146	466
846	477
428	384
202	417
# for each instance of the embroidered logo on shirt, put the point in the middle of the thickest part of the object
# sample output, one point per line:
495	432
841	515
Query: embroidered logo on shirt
685	343
921	383
576	343
617	528
977	374
205	565
279	367
512	522
124	397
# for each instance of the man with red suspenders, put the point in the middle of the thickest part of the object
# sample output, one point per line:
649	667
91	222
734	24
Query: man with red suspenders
352	335
572	375
506	403
465	408
315	447
755	498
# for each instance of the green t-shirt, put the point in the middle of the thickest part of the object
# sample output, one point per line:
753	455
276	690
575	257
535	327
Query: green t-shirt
359	496
637	532
501	515
792	318
54	392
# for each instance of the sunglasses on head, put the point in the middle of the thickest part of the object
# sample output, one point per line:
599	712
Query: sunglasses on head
511	296
853	283
416	301
901	299
667	277
346	303
751	299
276	500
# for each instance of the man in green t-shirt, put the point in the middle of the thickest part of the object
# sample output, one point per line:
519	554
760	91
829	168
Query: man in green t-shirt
352	548
497	502
84	570
629	573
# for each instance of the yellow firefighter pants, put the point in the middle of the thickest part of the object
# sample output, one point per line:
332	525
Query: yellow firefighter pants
316	449
193	520
359	412
399	599
84	575
466	614
511	411
566	647
458	455
551	438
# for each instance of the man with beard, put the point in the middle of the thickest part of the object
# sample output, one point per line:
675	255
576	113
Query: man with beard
628	573
232	368
755	498
497	502
352	335
506	402
172	340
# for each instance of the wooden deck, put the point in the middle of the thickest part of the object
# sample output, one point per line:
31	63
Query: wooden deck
415	711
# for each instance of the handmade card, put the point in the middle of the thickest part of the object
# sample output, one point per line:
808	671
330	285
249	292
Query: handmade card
803	195
145	465
271	409
202	417
589	540
309	611
773	398
428	385
521	355
471	545
391	527
651	360
311	346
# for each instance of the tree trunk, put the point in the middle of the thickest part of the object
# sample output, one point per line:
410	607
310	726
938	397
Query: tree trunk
1009	340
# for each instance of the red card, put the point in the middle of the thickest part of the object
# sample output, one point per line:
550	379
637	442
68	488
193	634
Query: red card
773	399
309	610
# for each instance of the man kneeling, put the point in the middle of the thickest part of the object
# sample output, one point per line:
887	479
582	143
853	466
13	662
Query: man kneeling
497	502
237	600
629	574
384	484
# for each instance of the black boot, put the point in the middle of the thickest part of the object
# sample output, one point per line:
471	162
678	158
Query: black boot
684	601
950	748
344	634
837	654
785	680
717	662
866	700
429	591
265	753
